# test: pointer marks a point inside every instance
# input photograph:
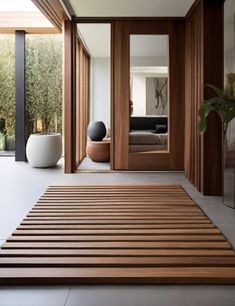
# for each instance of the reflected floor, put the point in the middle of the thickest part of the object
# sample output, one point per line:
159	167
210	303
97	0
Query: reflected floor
87	164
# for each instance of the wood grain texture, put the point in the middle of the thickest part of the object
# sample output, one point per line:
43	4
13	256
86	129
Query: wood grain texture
204	35
213	39
174	160
53	10
121	94
69	95
82	99
125	234
30	22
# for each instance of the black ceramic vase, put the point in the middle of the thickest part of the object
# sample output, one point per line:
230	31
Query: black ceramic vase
96	131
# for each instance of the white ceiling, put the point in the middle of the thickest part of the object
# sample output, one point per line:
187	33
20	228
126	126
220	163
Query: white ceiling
137	8
97	38
149	45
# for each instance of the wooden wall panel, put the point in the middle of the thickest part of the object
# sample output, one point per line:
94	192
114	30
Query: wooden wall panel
193	97
53	10
174	160
203	65
121	94
213	72
69	77
82	101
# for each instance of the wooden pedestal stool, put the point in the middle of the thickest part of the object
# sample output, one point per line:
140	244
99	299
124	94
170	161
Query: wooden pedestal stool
98	151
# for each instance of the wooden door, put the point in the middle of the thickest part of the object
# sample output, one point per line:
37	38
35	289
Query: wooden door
173	160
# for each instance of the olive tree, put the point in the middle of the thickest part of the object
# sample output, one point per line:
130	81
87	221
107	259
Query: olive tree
7	83
44	82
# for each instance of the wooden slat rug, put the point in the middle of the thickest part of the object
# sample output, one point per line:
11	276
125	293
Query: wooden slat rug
148	234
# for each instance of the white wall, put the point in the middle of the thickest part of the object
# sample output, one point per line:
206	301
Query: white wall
149	61
138	94
100	90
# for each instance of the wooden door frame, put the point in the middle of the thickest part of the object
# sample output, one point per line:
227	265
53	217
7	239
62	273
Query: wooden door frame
117	162
82	98
174	159
103	21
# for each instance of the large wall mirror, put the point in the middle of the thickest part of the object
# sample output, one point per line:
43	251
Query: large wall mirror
149	97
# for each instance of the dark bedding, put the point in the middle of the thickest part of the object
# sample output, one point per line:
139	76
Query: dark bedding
147	138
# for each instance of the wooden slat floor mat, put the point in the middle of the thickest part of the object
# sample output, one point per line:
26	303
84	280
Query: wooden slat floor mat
148	234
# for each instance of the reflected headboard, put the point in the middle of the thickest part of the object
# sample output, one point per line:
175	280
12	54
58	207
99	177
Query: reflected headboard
149	123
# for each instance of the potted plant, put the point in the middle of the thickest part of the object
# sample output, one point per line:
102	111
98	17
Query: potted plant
224	105
44	148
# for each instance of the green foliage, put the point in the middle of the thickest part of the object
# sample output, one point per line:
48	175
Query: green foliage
223	104
7	83
43	83
2	126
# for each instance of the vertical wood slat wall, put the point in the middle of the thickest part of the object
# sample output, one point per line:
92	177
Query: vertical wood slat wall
76	97
193	97
203	65
121	94
68	96
82	100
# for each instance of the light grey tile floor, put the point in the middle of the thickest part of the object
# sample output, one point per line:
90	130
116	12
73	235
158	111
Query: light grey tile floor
21	186
34	296
88	164
152	296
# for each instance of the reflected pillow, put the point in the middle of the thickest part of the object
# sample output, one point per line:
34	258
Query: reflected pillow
161	128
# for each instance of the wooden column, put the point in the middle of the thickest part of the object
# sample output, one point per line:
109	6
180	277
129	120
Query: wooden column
213	72
82	99
69	95
204	65
120	95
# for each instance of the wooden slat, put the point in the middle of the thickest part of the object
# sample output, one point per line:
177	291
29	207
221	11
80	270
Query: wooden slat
172	275
26	238
121	232
116	234
119	252
116	261
116	245
37	209
112	222
113	215
118	226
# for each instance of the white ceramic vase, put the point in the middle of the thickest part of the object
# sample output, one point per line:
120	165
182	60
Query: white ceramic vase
44	151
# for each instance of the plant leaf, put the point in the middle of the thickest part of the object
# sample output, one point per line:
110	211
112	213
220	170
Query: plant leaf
204	111
202	126
217	90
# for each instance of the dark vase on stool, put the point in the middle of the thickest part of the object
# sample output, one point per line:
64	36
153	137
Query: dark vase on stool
96	130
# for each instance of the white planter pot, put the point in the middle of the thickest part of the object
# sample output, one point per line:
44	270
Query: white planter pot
44	151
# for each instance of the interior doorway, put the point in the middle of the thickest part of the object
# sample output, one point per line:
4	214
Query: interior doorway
94	97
